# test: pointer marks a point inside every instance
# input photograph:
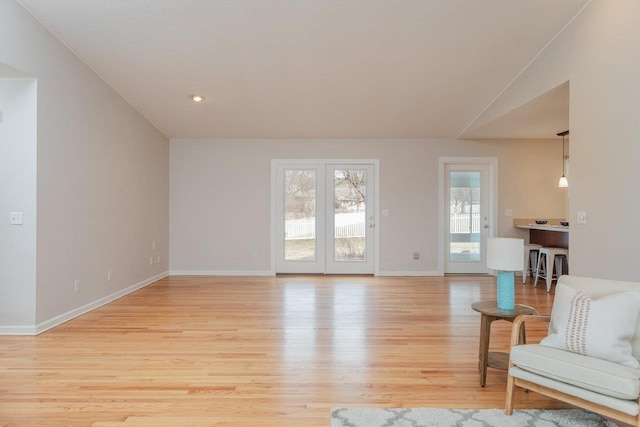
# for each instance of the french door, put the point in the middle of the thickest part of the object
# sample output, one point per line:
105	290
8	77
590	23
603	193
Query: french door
324	218
468	217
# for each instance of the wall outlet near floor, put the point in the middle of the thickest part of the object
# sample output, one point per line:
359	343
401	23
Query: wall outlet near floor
150	260
416	255
158	259
15	218
109	276
76	285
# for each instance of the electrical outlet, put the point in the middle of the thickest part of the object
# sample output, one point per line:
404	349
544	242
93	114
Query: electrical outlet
76	286
15	218
150	260
153	246
416	255
158	259
109	276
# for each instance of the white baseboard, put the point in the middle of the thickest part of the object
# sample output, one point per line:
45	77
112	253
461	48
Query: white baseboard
17	330
65	317
408	273
220	273
270	273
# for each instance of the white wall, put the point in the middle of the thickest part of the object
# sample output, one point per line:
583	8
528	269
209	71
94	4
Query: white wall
598	54
102	178
220	195
17	194
605	108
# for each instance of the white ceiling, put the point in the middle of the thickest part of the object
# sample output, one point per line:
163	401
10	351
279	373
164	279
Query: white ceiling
542	117
308	68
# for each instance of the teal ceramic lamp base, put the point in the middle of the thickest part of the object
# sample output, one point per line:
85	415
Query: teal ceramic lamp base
506	292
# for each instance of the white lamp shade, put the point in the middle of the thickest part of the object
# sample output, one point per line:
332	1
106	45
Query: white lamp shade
505	254
563	182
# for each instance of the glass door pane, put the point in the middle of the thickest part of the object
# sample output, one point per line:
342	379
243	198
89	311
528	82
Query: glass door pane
464	215
349	214
300	215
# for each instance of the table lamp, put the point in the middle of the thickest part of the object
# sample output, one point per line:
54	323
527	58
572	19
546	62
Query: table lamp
505	255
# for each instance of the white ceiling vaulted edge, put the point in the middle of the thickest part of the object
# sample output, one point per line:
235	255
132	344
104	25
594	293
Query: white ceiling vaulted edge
306	68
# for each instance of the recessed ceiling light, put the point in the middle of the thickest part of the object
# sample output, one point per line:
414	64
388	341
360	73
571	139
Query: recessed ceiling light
197	98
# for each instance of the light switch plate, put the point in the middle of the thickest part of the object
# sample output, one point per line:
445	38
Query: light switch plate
508	212
581	217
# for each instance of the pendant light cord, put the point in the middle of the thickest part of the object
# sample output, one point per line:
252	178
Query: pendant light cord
562	155
563	134
563	179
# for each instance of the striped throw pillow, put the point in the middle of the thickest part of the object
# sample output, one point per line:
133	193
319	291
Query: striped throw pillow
601	328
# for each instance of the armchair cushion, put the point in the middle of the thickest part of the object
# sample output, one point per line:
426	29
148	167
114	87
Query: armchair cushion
591	382
602	328
600	376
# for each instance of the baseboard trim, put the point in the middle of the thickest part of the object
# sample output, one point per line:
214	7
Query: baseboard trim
220	273
270	273
17	330
409	273
65	317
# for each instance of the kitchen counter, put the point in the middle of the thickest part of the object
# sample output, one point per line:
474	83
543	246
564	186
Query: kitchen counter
560	228
552	234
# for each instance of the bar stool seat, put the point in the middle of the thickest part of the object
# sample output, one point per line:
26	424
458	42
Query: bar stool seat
552	258
531	252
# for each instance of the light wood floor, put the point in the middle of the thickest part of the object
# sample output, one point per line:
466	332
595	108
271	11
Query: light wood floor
247	351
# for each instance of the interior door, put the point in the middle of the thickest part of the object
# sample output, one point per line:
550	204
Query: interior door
467	217
324	218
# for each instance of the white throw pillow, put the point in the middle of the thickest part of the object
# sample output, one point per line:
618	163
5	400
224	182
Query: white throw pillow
601	328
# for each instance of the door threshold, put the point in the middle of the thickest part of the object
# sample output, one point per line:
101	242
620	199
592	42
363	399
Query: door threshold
466	274
322	275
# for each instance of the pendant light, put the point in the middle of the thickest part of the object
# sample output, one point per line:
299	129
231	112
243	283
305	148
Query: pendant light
563	179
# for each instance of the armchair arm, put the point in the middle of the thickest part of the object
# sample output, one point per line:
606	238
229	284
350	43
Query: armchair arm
518	324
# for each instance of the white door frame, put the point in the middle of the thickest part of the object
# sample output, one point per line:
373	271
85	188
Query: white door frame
376	208
492	162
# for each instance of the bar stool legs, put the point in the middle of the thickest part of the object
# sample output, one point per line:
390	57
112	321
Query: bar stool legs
531	253
559	262
552	258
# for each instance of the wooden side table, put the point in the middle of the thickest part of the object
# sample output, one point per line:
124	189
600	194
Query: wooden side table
490	312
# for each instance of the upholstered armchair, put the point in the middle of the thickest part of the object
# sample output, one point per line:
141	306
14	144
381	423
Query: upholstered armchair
590	357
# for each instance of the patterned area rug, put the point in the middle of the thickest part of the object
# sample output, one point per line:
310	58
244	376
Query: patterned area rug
423	417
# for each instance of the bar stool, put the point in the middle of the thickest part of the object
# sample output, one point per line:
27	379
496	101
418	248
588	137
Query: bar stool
530	260
551	256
